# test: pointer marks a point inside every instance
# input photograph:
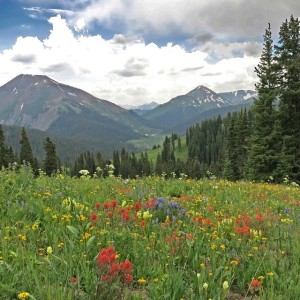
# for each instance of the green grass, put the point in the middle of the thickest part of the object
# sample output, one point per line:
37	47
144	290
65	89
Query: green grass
186	239
181	154
146	143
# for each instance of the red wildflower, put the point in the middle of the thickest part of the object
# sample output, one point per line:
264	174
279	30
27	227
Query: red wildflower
110	270
114	270
125	216
113	203
106	257
106	277
128	278
244	220
74	279
94	217
148	204
256	283
106	205
259	217
243	230
126	266
97	206
137	206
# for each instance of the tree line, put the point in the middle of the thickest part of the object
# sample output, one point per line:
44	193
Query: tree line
50	164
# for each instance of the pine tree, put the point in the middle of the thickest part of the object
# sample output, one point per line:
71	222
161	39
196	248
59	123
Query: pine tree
7	155
51	161
179	144
3	161
288	64
26	155
263	145
158	166
116	163
231	162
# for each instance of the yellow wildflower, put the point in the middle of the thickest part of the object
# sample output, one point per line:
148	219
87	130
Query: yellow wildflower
82	217
142	281
213	246
49	250
22	237
23	295
225	285
147	215
86	235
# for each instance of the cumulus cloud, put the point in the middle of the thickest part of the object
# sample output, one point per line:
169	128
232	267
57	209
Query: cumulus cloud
201	19
127	70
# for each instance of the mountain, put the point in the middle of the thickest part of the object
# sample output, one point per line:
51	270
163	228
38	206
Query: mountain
39	102
87	122
142	107
184	108
239	96
67	149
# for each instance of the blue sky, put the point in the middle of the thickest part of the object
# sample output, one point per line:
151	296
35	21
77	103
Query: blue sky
138	51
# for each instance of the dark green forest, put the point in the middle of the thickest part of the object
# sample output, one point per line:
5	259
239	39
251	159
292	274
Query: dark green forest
261	143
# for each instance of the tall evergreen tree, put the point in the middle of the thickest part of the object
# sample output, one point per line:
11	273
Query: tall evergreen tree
231	163
263	145
7	156
158	166
51	161
26	155
3	152
288	64
116	163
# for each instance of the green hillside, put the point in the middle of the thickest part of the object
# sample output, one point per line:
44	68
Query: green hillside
181	154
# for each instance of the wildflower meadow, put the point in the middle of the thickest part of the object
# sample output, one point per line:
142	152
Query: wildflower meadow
147	238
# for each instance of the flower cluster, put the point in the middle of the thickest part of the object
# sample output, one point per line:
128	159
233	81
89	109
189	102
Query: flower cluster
162	208
110	270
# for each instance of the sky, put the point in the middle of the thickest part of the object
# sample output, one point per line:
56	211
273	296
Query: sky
138	51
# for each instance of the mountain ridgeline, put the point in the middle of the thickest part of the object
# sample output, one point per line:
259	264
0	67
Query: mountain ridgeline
87	122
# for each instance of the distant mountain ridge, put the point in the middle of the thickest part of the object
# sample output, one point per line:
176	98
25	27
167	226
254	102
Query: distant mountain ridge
39	102
142	107
239	96
195	106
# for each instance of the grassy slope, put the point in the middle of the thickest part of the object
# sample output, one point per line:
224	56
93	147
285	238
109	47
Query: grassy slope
182	155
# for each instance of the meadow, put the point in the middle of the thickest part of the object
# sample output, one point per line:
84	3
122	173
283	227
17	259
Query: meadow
147	238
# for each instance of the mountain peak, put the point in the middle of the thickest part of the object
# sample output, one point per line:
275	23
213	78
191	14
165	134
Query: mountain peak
201	87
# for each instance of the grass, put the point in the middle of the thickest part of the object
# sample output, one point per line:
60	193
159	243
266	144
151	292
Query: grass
180	239
181	154
146	143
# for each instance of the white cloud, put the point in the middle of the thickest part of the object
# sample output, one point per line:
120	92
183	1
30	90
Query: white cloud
122	69
224	19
